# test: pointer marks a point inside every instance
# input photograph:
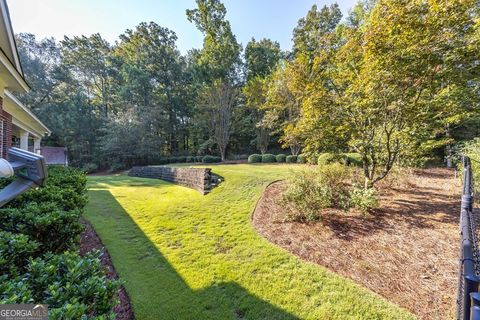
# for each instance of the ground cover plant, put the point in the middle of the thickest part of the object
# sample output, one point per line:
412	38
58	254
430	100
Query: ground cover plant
182	254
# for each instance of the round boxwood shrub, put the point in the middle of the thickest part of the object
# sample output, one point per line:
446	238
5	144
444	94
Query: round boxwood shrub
328	158
268	158
211	159
291	159
280	157
353	158
255	158
301	159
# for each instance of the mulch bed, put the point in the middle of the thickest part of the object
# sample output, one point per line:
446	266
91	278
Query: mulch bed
406	251
90	241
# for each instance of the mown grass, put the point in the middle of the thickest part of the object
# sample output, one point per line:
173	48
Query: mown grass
187	256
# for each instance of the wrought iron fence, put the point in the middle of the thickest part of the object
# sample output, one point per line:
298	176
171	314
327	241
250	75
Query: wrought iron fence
468	298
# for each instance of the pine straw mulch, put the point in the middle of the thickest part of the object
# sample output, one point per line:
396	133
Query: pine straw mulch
407	251
89	241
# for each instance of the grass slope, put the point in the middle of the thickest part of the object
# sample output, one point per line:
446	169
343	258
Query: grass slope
187	256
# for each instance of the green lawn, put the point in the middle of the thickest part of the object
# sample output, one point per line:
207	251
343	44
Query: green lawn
187	256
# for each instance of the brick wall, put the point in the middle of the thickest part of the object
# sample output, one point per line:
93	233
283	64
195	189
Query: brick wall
196	178
6	130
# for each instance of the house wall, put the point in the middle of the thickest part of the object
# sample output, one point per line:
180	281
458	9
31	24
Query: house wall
199	179
5	130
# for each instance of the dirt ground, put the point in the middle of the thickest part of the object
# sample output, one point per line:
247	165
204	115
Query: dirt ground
90	241
406	251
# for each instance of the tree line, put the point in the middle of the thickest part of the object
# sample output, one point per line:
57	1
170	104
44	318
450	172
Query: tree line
394	81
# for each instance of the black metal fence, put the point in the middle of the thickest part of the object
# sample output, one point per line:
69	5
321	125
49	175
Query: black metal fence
468	299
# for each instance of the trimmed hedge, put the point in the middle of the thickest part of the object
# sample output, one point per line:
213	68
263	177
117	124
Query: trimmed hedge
255	158
301	159
268	158
74	287
199	158
280	158
37	231
211	159
343	158
291	159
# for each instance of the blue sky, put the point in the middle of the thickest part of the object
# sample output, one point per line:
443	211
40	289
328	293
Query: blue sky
273	19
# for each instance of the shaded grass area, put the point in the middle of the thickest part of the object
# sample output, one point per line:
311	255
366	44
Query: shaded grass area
187	256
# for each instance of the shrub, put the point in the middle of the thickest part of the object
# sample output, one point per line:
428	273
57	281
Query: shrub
301	159
15	249
13	290
329	158
172	160
115	167
364	199
472	149
181	159
190	159
255	158
211	159
74	287
268	158
199	158
280	157
64	198
54	229
311	190
291	159
353	159
90	167
67	177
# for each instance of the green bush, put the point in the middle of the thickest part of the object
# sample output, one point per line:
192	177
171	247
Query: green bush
329	158
199	158
66	199
54	229
15	249
67	177
172	160
190	159
353	159
74	287
255	158
280	158
211	159
291	159
14	290
90	167
312	190
301	159
115	167
472	149
182	159
36	229
268	158
364	199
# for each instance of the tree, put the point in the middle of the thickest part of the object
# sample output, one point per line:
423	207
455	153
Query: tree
218	63
261	59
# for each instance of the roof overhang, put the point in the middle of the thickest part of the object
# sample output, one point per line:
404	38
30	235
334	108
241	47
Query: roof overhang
23	117
10	67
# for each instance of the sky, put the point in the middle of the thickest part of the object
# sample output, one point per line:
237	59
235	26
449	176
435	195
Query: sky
274	19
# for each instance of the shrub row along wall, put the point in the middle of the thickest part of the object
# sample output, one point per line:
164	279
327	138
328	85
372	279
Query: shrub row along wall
196	178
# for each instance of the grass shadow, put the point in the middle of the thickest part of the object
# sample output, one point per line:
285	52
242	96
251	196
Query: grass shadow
156	289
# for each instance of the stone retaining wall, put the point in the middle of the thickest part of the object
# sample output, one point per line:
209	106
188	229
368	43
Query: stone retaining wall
196	178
